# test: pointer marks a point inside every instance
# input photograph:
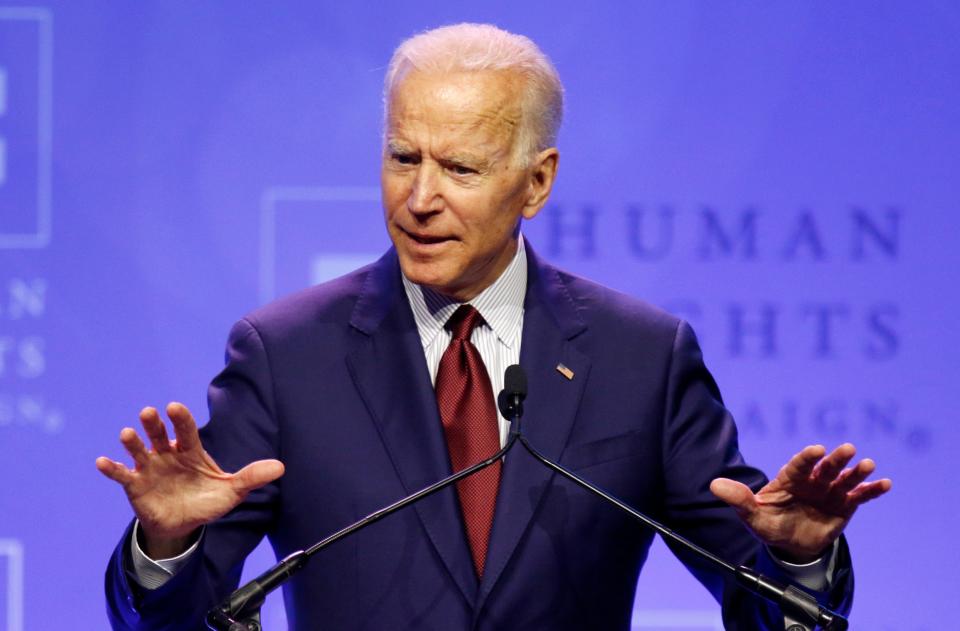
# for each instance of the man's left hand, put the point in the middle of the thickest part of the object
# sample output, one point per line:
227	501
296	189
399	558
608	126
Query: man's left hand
802	511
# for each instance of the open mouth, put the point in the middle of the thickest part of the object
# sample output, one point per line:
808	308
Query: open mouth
427	239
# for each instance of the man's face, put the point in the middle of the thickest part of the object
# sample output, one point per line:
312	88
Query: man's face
453	190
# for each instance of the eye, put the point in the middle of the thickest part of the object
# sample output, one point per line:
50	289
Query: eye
459	169
404	158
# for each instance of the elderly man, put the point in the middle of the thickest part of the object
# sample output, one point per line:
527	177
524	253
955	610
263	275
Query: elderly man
362	390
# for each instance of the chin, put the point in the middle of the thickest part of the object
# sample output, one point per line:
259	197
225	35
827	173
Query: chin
423	273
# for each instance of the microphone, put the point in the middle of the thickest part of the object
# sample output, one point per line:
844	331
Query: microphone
792	600
510	399
240	611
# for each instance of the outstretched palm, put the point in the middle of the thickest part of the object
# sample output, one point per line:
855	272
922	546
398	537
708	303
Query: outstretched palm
806	507
176	487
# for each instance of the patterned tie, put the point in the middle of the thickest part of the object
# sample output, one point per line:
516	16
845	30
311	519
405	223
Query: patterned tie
465	400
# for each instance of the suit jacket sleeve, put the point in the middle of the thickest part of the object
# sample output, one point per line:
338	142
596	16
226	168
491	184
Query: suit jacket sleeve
242	429
701	444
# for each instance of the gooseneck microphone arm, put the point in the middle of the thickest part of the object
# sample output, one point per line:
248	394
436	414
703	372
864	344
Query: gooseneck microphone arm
241	610
792	601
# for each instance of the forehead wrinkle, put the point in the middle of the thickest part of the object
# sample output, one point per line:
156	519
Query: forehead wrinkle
490	132
457	115
477	142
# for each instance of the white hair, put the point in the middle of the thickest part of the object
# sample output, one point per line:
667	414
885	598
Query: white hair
476	47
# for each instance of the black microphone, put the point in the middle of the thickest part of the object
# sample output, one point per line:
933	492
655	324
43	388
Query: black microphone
240	611
792	600
510	399
801	605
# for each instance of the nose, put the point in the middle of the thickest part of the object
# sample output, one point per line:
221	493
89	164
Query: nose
425	197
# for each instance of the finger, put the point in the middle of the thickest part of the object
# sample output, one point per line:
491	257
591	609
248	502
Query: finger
869	491
256	474
736	494
802	464
114	470
134	446
185	428
830	467
850	478
155	429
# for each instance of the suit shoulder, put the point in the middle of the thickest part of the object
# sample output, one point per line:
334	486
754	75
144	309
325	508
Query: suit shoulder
331	303
611	310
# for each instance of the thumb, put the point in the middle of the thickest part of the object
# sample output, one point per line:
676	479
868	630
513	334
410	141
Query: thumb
256	474
736	494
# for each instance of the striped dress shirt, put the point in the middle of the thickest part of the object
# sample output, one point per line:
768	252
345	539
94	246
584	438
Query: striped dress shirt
497	340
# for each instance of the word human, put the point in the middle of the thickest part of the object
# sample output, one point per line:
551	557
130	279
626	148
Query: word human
709	234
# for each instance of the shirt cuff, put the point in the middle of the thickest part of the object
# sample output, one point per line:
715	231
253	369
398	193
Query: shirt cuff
149	573
816	575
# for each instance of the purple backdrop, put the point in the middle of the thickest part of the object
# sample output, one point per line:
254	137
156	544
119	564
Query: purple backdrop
783	175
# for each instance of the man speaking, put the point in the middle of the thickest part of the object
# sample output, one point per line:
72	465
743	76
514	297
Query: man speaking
344	397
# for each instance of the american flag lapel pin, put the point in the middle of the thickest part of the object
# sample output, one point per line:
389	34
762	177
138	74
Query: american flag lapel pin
566	372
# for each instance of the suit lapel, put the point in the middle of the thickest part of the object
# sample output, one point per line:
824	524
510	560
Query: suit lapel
550	322
391	376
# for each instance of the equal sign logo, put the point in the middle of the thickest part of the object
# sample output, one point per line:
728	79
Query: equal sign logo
305	239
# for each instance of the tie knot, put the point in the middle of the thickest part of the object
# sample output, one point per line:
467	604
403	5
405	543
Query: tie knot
463	321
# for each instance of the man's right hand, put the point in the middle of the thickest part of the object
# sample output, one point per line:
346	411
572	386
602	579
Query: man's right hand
176	487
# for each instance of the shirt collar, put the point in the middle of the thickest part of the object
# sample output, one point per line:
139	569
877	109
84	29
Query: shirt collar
500	304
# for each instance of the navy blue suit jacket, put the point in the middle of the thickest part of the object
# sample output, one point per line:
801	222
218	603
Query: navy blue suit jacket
333	382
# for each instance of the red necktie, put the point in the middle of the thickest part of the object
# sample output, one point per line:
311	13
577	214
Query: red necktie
465	400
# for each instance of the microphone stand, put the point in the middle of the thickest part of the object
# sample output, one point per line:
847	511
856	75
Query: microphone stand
241	610
791	600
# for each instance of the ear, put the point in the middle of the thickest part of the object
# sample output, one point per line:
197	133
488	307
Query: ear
543	172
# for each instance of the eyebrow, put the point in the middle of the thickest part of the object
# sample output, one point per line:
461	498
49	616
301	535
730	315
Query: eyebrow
395	147
465	159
